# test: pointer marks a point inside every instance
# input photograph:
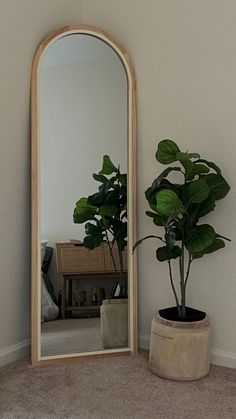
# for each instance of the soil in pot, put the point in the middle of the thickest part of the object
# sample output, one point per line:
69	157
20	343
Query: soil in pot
192	315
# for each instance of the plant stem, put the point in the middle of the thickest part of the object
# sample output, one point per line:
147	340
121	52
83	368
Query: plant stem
182	283
123	291
173	288
111	252
188	269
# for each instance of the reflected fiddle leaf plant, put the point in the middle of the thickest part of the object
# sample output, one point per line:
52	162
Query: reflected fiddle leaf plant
105	215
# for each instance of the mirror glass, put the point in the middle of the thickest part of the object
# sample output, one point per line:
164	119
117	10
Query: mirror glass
83	149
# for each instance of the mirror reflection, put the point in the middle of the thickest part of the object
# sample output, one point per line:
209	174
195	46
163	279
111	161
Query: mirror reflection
83	205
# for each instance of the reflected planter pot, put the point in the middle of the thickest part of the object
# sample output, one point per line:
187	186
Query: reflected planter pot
114	323
179	350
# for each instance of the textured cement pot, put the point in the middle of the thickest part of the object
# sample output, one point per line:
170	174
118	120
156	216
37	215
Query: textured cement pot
180	351
114	323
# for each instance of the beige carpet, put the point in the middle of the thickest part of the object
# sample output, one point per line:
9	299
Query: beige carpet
71	336
116	388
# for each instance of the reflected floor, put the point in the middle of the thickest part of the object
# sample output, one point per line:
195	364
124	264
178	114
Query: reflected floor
71	336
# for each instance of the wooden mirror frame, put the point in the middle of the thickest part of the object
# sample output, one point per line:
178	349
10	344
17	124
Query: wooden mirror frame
36	357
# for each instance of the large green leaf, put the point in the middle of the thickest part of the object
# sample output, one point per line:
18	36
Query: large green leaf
166	151
206	206
106	186
168	203
217	185
83	211
157	219
94	235
151	214
99	178
180	156
97	199
108	210
157	182
113	197
210	164
216	245
192	169
108	167
187	165
163	253
119	229
151	194
151	198
198	191
199	238
198	169
183	193
122	179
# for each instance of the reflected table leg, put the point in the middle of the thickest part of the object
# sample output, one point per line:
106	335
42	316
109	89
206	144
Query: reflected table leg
63	297
69	293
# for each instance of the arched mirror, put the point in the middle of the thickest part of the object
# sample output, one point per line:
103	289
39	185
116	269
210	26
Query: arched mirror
83	197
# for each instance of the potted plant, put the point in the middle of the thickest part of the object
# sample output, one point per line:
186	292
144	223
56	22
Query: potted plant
105	216
177	208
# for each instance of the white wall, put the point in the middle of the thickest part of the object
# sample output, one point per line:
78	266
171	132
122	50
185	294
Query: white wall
184	53
23	24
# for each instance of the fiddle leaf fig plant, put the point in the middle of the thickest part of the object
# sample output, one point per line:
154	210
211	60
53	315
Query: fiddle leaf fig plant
178	208
105	215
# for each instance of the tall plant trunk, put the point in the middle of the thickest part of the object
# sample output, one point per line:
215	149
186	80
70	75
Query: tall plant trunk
123	287
111	252
173	289
182	284
112	256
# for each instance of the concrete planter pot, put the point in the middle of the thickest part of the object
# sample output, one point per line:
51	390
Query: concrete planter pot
180	351
114	323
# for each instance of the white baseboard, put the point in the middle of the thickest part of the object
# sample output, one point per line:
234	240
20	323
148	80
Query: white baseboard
218	357
22	349
223	358
143	341
14	352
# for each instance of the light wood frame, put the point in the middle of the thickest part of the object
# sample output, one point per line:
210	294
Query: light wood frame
36	357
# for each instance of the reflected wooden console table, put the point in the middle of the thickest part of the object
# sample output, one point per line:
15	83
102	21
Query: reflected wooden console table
74	261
